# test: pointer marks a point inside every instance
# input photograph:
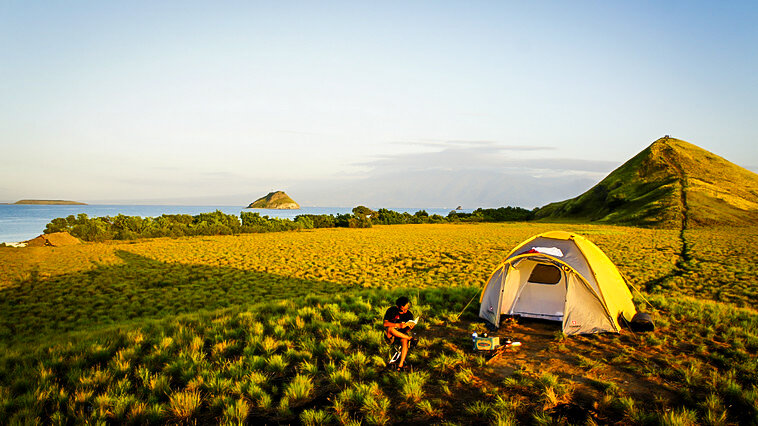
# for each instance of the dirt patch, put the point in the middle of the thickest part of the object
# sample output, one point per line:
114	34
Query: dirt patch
587	366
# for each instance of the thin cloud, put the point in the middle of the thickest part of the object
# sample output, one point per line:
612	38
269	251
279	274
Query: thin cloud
452	143
444	189
566	164
500	146
477	175
298	132
481	158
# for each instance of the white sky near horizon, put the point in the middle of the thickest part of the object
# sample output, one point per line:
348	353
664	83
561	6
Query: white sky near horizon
347	103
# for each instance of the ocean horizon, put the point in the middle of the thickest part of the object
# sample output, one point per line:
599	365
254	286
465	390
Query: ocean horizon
22	222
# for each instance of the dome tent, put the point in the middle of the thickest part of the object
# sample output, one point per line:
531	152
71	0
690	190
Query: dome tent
559	276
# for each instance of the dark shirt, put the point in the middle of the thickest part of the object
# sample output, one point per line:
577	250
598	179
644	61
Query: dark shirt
393	315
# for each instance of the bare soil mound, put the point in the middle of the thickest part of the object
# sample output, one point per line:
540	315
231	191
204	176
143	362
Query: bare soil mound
56	239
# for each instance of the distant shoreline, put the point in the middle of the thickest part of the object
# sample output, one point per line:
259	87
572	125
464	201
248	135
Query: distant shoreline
24	222
51	202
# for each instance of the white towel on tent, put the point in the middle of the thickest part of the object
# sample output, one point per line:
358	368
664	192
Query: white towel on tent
552	251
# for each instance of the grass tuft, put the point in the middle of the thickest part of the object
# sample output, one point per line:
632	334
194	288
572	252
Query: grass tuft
412	385
236	413
299	389
313	417
183	405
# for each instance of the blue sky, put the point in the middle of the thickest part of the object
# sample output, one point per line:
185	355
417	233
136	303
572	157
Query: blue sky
397	104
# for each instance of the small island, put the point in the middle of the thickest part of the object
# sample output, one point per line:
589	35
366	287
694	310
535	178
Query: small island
275	200
51	202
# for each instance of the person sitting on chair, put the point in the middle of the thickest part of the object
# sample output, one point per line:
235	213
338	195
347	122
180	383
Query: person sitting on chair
397	325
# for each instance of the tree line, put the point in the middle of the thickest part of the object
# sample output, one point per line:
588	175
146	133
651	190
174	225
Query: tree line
123	227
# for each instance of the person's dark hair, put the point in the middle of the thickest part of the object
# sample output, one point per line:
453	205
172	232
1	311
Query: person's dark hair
401	301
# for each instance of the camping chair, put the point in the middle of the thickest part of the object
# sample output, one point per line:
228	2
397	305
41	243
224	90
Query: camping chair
395	348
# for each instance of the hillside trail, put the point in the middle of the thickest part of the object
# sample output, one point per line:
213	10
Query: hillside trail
683	264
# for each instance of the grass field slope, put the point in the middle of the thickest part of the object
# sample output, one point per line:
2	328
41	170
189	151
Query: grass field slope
671	184
285	328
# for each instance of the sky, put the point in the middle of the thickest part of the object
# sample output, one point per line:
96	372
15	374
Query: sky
385	104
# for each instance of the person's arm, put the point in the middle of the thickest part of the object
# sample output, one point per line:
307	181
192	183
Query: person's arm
389	324
397	327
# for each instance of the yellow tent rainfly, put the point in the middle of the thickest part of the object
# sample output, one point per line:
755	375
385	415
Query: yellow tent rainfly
559	276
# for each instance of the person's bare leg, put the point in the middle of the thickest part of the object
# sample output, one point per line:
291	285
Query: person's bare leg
403	353
404	349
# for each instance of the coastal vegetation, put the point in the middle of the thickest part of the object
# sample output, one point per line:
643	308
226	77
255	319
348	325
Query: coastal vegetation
123	227
264	328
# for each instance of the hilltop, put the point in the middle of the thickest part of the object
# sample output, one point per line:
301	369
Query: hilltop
51	202
671	183
274	200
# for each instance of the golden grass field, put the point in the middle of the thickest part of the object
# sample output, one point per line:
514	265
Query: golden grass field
283	327
408	255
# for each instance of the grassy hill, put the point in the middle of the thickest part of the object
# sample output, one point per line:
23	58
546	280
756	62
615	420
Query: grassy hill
671	183
274	200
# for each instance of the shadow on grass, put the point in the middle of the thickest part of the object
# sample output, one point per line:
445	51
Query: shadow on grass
140	288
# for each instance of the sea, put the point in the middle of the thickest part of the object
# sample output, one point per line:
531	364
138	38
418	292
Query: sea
21	222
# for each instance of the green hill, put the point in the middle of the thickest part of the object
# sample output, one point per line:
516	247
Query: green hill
274	200
671	183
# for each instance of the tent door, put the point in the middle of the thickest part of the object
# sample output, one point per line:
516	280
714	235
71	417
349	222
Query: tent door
543	295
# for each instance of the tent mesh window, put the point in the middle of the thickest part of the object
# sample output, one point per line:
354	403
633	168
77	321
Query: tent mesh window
545	274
